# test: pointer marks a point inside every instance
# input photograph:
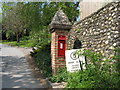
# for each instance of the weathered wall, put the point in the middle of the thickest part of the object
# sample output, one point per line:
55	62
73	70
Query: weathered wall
88	7
98	32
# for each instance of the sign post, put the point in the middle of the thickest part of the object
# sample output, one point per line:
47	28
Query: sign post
73	61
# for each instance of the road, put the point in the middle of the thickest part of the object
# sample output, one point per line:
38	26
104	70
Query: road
15	69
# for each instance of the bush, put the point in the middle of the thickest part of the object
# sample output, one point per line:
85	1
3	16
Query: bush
10	35
99	73
24	38
42	58
80	79
61	76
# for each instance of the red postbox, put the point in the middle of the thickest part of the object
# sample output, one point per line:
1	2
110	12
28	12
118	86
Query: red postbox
61	46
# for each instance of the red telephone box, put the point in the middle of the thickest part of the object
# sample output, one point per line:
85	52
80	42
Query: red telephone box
61	46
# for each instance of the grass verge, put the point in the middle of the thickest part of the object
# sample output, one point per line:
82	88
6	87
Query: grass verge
27	43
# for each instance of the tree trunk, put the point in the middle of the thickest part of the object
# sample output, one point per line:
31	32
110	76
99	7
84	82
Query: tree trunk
17	36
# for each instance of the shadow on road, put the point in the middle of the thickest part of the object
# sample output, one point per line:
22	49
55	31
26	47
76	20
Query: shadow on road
16	74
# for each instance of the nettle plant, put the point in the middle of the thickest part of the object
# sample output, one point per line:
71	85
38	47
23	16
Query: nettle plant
100	72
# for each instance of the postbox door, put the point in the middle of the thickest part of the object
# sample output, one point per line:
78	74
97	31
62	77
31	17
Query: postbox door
61	48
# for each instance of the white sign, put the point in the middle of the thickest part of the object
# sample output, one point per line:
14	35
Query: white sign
73	61
61	45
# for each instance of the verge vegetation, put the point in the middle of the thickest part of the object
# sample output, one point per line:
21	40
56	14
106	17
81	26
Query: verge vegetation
99	73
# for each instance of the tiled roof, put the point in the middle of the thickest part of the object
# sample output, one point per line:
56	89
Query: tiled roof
60	21
60	18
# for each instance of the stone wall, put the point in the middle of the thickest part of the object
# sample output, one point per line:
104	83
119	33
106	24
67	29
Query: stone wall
100	31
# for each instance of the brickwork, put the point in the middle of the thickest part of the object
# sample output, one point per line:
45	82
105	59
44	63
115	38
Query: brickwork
57	61
59	26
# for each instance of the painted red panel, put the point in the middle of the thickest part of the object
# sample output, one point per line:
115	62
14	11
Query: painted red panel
61	48
61	37
61	45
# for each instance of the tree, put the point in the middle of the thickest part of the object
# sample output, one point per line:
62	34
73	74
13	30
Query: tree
13	20
34	18
38	16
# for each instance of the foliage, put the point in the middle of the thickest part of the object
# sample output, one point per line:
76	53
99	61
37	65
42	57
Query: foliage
38	16
13	20
61	75
100	72
40	38
10	35
24	38
32	18
80	79
42	58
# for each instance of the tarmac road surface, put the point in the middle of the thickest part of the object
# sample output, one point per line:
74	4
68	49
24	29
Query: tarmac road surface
15	70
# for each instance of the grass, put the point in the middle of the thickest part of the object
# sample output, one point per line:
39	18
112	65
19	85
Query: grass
27	43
